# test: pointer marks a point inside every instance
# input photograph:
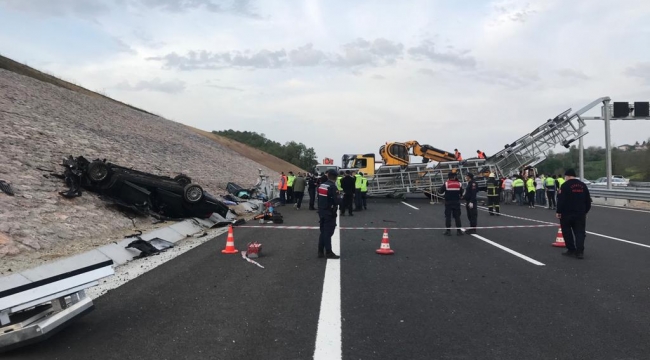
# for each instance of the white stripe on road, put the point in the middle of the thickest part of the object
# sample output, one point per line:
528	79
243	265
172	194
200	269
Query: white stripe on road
409	205
328	334
617	239
621	208
530	260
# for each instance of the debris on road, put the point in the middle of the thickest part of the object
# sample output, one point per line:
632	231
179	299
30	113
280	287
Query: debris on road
151	247
6	188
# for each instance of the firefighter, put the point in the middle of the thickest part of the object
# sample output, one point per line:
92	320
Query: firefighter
328	201
493	194
364	191
480	154
573	204
471	203
452	189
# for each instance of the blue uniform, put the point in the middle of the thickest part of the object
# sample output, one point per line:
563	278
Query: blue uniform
328	201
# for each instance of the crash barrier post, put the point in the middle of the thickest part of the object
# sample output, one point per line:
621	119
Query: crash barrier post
559	239
36	302
385	249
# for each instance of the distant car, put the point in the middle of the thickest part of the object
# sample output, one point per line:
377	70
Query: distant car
585	181
144	192
615	182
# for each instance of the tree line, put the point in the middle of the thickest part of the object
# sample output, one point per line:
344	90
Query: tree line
634	165
295	153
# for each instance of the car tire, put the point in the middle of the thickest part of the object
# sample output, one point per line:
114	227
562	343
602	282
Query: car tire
192	193
183	180
97	171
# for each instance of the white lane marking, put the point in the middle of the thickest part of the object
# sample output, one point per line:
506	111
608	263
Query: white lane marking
409	205
617	239
621	208
328	334
530	260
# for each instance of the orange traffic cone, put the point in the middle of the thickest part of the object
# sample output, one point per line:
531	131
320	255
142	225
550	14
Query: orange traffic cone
559	239
385	246
230	243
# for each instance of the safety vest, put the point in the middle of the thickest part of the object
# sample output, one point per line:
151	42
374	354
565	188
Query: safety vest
282	185
338	183
550	183
290	180
357	181
364	184
518	183
530	184
481	155
560	181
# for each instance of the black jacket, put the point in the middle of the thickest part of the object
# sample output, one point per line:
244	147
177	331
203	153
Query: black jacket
328	199
347	184
573	198
470	192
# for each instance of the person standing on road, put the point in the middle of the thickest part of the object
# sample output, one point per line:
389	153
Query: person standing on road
539	190
312	182
282	186
290	180
493	194
507	191
328	202
530	187
573	204
364	191
452	190
357	191
471	205
518	186
550	183
299	184
347	184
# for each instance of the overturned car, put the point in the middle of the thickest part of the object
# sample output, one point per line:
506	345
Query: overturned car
160	196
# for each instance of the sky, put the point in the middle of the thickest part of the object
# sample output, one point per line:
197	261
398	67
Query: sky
348	76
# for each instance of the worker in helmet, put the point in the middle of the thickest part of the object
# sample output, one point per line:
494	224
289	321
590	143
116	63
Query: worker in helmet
493	188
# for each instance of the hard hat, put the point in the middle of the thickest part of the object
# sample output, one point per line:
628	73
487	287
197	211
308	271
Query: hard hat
491	175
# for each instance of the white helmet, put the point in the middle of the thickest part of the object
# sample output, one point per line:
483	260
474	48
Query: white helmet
491	175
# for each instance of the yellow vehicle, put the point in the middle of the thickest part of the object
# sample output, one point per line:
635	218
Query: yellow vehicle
397	153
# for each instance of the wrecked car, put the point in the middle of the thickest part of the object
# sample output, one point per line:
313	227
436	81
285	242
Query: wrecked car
146	193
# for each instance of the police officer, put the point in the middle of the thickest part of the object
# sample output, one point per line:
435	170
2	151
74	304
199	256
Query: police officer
471	202
493	194
328	202
312	181
452	190
573	204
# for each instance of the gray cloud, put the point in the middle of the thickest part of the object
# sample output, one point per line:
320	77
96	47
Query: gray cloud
427	72
427	50
231	88
364	52
238	7
640	70
513	13
59	7
575	74
306	56
512	79
169	87
378	77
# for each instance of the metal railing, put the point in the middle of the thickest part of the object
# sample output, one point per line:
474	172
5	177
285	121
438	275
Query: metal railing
627	193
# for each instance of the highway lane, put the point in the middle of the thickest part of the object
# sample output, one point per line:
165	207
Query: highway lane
440	297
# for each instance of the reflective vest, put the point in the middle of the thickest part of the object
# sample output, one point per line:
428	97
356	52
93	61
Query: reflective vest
518	183
357	181
290	180
492	186
560	181
338	183
282	185
550	184
530	185
364	184
458	156
481	155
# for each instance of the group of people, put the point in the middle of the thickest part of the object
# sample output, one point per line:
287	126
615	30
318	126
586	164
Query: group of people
531	190
573	203
479	154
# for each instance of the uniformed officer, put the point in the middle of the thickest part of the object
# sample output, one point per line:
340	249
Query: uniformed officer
471	203
573	204
364	191
452	190
493	194
550	185
328	202
358	204
312	182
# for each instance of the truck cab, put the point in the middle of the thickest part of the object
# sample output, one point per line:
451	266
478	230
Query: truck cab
365	163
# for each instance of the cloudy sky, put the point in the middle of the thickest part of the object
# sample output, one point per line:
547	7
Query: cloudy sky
347	76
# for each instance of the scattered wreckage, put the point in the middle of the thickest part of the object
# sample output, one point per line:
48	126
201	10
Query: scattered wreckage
159	196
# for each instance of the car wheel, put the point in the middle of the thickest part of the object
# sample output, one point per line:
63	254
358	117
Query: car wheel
192	193
183	180
97	171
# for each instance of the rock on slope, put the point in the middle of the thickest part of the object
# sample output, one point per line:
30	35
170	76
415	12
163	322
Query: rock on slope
40	124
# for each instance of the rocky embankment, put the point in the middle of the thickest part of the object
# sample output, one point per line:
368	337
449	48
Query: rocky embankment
40	124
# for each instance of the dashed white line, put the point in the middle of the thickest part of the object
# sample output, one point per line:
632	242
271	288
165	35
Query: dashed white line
530	260
328	334
409	205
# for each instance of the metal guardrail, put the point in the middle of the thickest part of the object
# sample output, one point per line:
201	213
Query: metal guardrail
640	184
627	193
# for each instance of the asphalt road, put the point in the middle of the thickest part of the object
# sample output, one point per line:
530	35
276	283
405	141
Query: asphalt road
438	297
